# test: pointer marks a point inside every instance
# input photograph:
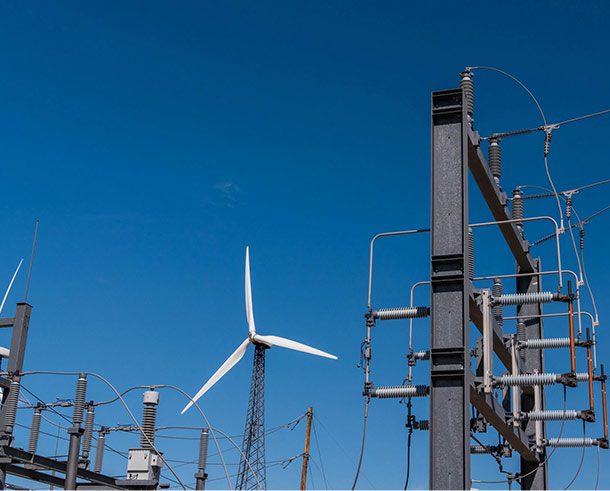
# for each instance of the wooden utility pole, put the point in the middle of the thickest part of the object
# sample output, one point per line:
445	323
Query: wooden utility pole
306	452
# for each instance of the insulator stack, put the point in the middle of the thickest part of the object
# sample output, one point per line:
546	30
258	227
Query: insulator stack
553	415
548	135
569	207
423	425
470	253
487	449
149	419
467	85
526	298
530	379
99	452
545	343
495	158
203	449
521	337
517	209
399	391
421	355
497	310
88	434
10	406
79	399
401	313
35	429
582	238
572	442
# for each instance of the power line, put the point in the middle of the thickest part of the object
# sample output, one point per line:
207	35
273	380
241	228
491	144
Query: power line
582	459
557	125
547	129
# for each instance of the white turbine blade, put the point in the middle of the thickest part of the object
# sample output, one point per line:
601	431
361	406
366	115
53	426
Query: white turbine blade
249	310
224	368
287	343
10	285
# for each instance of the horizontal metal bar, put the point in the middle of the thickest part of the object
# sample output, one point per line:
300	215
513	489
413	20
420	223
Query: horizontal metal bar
24	457
7	322
33	475
371	251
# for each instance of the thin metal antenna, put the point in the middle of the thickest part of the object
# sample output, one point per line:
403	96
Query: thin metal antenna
27	283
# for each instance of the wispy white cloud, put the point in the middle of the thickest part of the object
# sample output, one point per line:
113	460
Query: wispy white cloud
226	193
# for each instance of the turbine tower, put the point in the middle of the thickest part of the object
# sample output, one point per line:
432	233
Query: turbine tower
252	472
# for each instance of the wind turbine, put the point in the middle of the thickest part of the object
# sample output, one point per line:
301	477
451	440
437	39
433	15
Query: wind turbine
252	466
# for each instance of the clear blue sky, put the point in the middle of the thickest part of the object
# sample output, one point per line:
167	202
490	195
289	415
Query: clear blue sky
155	140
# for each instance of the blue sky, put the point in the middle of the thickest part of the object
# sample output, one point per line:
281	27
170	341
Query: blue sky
155	140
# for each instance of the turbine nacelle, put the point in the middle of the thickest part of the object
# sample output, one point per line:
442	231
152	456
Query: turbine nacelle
253	338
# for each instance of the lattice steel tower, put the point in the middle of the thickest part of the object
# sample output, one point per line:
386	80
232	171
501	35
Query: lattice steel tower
252	474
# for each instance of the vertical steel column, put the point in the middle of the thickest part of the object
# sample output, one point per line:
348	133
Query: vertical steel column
535	475
449	324
19	338
75	432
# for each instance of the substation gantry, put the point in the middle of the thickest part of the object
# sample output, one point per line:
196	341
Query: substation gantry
143	463
463	375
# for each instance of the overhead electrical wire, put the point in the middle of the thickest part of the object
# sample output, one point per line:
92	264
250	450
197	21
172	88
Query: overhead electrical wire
544	462
364	420
564	192
597	472
315	435
547	129
581	223
67	419
319	469
408	458
347	455
582	458
557	125
125	405
207	422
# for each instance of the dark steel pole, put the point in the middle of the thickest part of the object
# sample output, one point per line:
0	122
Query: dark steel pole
449	323
76	432
19	336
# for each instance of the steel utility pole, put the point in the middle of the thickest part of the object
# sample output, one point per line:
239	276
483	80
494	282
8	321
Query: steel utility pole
455	302
306	451
449	325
